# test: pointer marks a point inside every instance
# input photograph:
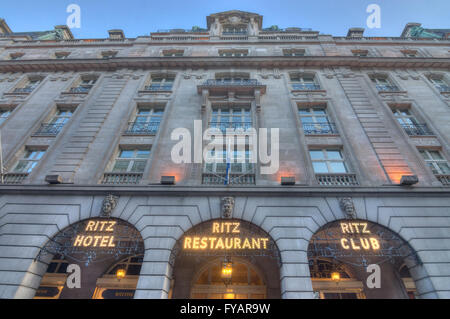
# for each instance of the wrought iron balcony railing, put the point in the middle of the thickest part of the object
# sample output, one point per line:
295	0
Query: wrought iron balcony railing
306	86
121	178
13	178
49	129
444	179
234	179
223	126
142	128
23	90
242	82
167	87
387	88
417	129
341	179
319	128
81	89
443	88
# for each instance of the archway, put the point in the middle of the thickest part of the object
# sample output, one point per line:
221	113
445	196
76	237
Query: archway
108	252
340	252
225	259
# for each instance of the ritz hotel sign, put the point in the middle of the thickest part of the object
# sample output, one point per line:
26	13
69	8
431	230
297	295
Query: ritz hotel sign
97	233
225	236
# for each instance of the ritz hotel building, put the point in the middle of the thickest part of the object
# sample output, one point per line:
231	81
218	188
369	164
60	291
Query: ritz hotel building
364	151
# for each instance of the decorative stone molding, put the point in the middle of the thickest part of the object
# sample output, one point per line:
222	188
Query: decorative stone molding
348	207
108	205
227	207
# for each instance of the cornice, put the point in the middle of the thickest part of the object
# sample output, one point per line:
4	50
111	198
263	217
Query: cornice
67	65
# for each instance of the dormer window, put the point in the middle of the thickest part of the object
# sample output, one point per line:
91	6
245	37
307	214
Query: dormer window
233	53
410	53
16	55
61	55
360	53
108	54
294	52
235	30
173	53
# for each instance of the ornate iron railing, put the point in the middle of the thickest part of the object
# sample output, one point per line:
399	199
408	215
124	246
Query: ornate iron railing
142	128
387	88
319	128
443	88
49	129
234	179
306	86
417	129
337	179
444	179
153	87
223	126
121	178
23	90
81	89
13	178
242	82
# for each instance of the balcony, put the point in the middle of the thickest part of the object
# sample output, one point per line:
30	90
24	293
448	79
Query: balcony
443	88
81	89
319	128
234	179
121	178
13	178
153	88
24	90
387	88
444	179
49	129
417	129
306	87
337	179
142	128
244	86
223	126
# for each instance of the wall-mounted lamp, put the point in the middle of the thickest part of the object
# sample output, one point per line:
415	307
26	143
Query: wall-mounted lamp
335	276
287	180
407	180
168	180
53	179
120	273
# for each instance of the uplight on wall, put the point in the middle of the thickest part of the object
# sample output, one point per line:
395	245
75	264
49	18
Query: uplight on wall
167	180
408	180
287	180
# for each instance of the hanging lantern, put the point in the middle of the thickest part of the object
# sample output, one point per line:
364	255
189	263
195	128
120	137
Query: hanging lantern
227	270
120	273
335	276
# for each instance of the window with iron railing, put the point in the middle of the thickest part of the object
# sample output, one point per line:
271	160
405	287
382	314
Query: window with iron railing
131	161
4	114
435	161
62	55
409	123
439	83
56	124
160	83
29	86
108	54
383	84
294	52
360	53
146	121
328	161
234	30
28	161
237	118
84	86
315	120
233	53
304	82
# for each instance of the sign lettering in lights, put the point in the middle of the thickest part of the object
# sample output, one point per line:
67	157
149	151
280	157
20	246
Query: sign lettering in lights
98	233
363	242
225	236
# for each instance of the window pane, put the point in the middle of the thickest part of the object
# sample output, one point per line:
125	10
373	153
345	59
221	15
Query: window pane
320	167
445	169
21	165
121	166
304	111
316	154
307	120
138	166
143	153
126	154
338	167
334	154
424	154
436	155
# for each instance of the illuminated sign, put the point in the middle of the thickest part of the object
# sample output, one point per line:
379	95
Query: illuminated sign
98	233
225	236
362	239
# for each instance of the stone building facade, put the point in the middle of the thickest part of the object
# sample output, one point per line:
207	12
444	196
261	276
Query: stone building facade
364	137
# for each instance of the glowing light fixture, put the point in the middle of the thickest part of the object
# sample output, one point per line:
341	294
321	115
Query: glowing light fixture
335	276
227	270
120	273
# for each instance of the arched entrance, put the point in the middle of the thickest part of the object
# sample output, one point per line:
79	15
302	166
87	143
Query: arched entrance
109	255
340	252
225	259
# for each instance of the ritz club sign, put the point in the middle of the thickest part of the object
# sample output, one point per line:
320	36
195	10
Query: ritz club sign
225	236
357	236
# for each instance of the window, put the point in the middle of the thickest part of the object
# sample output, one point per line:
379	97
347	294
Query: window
147	121
294	52
4	114
108	54
328	161
29	160
409	53
16	55
409	122
315	120
61	117
439	83
434	159
240	161
29	86
84	85
383	84
173	53
304	82
131	161
360	53
233	53
160	83
232	118
61	55
234	30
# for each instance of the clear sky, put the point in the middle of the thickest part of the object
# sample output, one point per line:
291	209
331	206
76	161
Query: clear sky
140	17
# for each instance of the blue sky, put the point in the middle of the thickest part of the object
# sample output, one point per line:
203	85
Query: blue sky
140	17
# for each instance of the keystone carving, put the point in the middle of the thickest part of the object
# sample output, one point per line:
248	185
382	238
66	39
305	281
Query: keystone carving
348	207
227	207
108	205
